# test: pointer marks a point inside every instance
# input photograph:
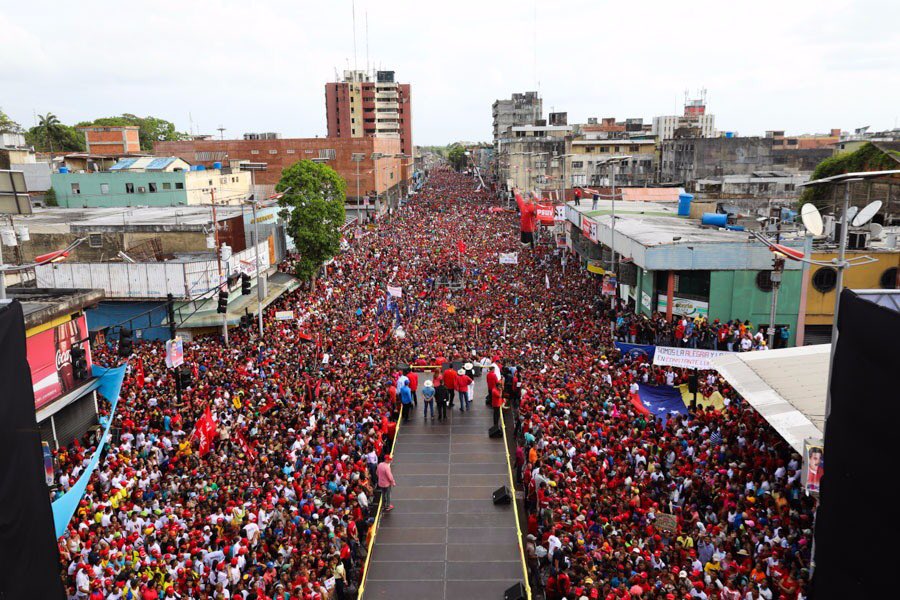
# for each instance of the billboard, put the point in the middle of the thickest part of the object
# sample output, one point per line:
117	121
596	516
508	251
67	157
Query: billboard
50	359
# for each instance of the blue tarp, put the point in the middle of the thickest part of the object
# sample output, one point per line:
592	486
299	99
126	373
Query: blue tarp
662	400
110	385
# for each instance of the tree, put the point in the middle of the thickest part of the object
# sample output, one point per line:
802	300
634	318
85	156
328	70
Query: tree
50	198
7	125
457	156
868	157
65	139
152	129
50	127
317	195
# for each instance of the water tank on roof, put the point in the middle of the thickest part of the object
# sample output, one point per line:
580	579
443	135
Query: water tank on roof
684	204
217	165
729	134
64	169
716	219
201	168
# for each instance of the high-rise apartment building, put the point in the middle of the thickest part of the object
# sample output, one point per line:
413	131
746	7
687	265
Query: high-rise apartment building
695	122
360	107
521	109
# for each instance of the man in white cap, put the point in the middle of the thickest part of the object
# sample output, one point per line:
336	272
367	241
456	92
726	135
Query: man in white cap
428	398
463	382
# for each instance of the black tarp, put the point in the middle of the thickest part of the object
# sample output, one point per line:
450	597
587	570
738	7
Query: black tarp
854	545
29	557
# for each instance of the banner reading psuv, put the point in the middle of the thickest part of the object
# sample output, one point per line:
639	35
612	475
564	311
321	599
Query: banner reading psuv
687	358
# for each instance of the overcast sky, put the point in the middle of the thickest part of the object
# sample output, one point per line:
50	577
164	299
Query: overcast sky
799	65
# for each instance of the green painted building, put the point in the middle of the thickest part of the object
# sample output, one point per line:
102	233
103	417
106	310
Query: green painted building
150	181
711	271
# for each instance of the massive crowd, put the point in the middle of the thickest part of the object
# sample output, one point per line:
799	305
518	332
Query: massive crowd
281	505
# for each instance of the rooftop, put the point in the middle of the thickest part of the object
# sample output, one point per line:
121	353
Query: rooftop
65	220
42	305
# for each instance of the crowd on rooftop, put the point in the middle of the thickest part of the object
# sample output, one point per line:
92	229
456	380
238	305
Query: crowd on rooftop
281	505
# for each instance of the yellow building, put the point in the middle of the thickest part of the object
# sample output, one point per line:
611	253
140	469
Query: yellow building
881	274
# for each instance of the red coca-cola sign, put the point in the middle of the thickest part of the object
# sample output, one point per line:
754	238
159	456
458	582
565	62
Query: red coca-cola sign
50	359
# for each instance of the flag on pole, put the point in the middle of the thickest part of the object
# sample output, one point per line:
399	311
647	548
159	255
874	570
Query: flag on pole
139	373
461	246
204	432
547	280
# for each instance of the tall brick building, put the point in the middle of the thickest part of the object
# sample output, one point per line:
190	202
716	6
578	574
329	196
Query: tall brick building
113	141
359	107
267	157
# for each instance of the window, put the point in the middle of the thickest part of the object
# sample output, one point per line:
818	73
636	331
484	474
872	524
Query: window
888	279
604	149
327	153
825	279
764	281
223	180
577	164
104	188
151	187
179	185
291	151
76	188
95	240
634	148
129	188
167	186
273	151
254	152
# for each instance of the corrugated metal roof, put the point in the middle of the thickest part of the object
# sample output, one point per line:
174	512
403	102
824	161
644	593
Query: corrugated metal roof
125	163
158	164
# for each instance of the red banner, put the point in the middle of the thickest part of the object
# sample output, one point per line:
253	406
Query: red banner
204	432
249	452
50	359
546	214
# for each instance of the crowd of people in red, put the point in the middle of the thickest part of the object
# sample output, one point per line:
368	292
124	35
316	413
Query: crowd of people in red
280	507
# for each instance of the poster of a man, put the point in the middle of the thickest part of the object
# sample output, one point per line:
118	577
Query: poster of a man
815	468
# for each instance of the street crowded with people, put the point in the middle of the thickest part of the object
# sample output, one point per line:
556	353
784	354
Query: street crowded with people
275	499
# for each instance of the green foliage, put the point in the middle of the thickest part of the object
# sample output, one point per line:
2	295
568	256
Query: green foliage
50	198
456	154
317	194
867	158
7	125
152	129
58	137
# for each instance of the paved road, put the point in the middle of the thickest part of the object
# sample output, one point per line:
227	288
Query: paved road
445	538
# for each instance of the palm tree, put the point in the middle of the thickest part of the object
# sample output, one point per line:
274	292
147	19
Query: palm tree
50	126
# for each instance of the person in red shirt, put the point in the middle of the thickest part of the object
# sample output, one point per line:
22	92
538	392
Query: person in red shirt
463	382
413	385
450	382
492	379
496	403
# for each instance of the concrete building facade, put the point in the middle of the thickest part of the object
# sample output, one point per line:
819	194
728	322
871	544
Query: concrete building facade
695	120
269	157
522	109
687	160
150	181
359	106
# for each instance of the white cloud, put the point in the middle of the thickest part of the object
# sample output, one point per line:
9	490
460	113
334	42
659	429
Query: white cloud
800	65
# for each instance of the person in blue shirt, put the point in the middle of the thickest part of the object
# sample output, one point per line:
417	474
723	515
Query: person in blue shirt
428	395
405	400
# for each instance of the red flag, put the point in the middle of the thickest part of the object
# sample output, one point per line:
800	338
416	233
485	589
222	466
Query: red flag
245	446
139	373
461	246
205	431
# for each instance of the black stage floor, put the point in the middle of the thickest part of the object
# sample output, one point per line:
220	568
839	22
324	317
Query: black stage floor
445	538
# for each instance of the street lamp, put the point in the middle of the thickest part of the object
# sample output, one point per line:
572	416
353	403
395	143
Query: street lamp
612	162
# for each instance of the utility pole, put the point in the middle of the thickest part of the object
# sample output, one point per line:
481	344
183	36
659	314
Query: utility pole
775	276
170	305
219	262
259	291
612	239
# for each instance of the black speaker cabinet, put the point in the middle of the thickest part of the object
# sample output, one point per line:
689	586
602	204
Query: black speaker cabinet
516	592
495	432
502	496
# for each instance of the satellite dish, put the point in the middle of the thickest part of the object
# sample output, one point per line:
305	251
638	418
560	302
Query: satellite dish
875	230
866	214
851	212
812	219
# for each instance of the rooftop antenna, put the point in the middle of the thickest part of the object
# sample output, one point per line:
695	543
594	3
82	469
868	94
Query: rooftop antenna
353	4
191	121
221	131
367	43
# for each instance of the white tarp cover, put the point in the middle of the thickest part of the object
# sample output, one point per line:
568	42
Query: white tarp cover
787	387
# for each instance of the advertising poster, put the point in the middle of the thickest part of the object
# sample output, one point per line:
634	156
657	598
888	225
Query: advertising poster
174	353
684	306
50	359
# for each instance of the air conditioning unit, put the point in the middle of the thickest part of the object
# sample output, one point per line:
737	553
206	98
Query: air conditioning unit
142	189
857	240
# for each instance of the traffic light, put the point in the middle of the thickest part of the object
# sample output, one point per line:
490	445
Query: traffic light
126	344
223	302
246	321
184	377
79	362
245	284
